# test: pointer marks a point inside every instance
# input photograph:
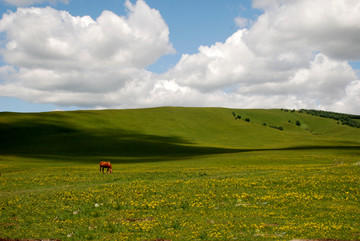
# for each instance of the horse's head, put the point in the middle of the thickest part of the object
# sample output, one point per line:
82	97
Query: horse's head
110	169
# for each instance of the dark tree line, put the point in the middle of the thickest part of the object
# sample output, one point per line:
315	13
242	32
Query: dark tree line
345	119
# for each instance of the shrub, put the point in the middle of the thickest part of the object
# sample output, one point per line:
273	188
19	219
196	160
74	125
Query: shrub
277	127
236	116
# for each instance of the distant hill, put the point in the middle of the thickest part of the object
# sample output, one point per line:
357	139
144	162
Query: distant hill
168	132
345	119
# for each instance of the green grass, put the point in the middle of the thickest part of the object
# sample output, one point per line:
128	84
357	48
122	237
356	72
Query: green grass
179	174
165	132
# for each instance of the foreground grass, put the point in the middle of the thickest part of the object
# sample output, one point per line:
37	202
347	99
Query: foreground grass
217	197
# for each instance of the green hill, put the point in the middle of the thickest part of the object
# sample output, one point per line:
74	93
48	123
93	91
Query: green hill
178	174
167	133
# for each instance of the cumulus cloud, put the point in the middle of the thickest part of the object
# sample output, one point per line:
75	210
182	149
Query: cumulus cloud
51	39
214	67
295	55
325	81
52	55
331	27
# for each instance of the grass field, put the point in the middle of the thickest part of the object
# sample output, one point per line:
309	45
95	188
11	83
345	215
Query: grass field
179	174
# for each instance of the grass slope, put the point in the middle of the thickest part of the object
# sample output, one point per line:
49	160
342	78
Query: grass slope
168	132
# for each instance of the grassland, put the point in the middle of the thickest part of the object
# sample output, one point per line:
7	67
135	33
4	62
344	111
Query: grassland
179	174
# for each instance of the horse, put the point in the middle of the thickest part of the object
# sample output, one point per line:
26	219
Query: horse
104	165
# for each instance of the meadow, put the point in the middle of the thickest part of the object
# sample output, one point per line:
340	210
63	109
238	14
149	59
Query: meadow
179	174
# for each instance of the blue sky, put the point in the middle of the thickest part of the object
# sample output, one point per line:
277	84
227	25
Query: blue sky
254	54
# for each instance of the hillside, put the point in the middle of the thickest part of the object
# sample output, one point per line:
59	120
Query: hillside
167	133
178	174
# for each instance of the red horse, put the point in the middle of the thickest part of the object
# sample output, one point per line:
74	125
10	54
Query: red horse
104	165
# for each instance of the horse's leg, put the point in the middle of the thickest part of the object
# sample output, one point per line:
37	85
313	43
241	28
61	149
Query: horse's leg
100	168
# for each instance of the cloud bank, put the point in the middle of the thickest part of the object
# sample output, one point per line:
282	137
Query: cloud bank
296	55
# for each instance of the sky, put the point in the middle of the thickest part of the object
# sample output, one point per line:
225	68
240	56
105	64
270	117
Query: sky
120	54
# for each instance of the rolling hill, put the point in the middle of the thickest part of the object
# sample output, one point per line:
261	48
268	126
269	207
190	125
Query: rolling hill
179	174
168	133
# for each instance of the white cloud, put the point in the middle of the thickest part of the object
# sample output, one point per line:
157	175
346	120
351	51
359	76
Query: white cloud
51	39
325	81
214	67
58	56
294	56
328	26
21	3
241	22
